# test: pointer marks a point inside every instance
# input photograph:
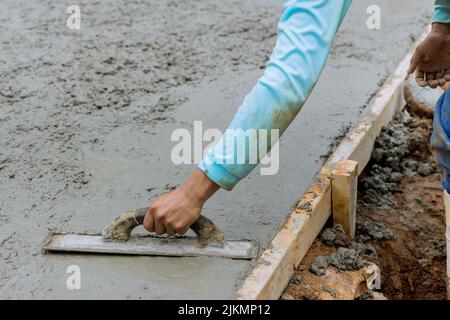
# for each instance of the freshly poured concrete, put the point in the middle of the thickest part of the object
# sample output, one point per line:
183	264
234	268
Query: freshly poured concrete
86	117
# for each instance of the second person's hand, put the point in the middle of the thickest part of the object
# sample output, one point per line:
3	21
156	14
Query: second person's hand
431	60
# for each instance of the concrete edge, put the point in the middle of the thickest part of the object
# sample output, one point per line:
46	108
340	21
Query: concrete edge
276	265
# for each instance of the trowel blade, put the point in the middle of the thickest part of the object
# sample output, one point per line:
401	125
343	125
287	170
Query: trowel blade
149	246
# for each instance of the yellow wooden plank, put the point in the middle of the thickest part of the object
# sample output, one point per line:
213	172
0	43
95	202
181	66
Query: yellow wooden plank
344	186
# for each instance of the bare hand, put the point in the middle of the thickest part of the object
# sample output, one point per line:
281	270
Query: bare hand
431	60
176	211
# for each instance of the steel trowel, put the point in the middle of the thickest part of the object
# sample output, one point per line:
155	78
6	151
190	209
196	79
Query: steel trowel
116	238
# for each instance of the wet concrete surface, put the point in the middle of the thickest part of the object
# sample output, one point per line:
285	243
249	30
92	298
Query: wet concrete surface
86	117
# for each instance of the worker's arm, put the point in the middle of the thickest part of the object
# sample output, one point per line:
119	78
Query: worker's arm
305	34
431	59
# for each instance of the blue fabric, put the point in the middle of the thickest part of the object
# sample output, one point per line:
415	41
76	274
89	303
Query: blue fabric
440	141
305	34
442	11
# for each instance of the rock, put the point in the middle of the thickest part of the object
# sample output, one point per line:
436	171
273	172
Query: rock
389	162
374	230
328	237
334	237
423	262
319	265
297	279
346	259
426	169
330	291
366	249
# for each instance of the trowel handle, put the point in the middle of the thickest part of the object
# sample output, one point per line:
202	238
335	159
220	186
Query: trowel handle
198	226
120	229
139	215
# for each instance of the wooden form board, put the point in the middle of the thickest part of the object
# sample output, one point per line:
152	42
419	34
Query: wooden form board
275	267
344	186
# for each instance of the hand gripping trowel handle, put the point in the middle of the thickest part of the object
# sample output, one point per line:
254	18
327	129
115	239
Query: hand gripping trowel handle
120	229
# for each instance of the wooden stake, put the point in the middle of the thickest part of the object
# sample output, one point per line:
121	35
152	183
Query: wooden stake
344	185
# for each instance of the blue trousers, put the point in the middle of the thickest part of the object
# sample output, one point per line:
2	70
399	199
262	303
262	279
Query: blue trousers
440	139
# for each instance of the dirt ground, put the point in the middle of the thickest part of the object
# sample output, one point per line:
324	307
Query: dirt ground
399	195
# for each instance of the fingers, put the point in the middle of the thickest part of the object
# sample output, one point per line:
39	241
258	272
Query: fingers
158	218
421	78
149	223
432	79
152	223
180	228
447	75
416	59
172	213
169	230
424	79
159	227
440	78
182	231
156	221
432	82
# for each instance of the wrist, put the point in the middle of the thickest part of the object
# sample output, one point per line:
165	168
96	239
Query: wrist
440	27
199	186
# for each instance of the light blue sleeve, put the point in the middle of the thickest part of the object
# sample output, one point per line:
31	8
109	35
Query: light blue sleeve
305	34
442	11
